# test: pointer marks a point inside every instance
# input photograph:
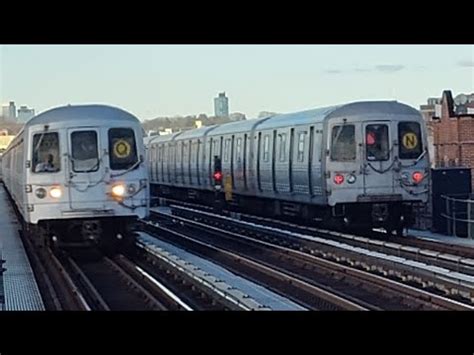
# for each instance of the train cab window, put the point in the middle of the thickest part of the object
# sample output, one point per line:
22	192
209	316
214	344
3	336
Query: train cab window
46	157
343	146
122	148
377	142
266	147
84	151
282	152
409	138
300	151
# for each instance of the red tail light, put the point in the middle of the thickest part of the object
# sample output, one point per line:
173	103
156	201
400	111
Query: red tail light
217	176
417	177
339	179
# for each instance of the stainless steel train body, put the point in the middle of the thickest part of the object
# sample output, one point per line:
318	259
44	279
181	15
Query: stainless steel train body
363	164
79	172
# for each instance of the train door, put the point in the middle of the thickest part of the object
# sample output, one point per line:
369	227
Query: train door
378	157
86	169
281	161
300	158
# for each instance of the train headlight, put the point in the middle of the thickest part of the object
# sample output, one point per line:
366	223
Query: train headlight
351	179
40	193
55	192
131	189
118	190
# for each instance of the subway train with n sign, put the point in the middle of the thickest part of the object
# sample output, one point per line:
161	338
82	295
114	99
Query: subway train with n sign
361	165
78	176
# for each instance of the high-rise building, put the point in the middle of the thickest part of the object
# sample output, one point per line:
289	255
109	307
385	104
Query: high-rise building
221	105
25	113
5	112
12	110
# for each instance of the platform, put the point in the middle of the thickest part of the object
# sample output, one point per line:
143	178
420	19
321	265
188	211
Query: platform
17	285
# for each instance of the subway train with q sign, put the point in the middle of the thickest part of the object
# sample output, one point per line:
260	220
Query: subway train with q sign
360	165
78	176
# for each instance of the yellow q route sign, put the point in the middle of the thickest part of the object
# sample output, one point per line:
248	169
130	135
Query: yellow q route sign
410	140
122	149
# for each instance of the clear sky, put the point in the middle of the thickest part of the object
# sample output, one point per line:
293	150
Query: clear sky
169	80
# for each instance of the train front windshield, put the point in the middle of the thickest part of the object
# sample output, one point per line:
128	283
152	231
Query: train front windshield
377	142
409	137
122	148
85	155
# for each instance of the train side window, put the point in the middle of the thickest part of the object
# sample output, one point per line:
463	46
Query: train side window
179	152
238	149
122	148
409	138
46	157
84	151
215	148
301	142
184	148
377	142
226	149
193	152
19	161
282	153
266	147
343	146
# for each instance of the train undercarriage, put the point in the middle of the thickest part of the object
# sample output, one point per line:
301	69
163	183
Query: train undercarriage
110	234
350	217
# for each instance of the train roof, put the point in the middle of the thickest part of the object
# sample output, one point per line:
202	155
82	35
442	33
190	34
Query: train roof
163	138
354	109
81	112
196	133
236	127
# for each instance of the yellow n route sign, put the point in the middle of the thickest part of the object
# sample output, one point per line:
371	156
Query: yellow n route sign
410	140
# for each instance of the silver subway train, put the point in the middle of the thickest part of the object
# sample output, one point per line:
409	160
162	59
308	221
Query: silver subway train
78	174
362	165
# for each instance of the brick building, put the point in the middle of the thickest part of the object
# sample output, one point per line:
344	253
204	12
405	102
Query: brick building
451	130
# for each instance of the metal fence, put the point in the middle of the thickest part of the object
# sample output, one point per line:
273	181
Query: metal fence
459	215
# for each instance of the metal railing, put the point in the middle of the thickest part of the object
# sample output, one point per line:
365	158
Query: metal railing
459	215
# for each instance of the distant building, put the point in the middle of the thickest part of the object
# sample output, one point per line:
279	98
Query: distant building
9	111
450	133
221	105
431	109
166	131
12	110
25	113
5	112
237	116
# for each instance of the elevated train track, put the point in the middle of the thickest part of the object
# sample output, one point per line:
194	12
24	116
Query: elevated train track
443	288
